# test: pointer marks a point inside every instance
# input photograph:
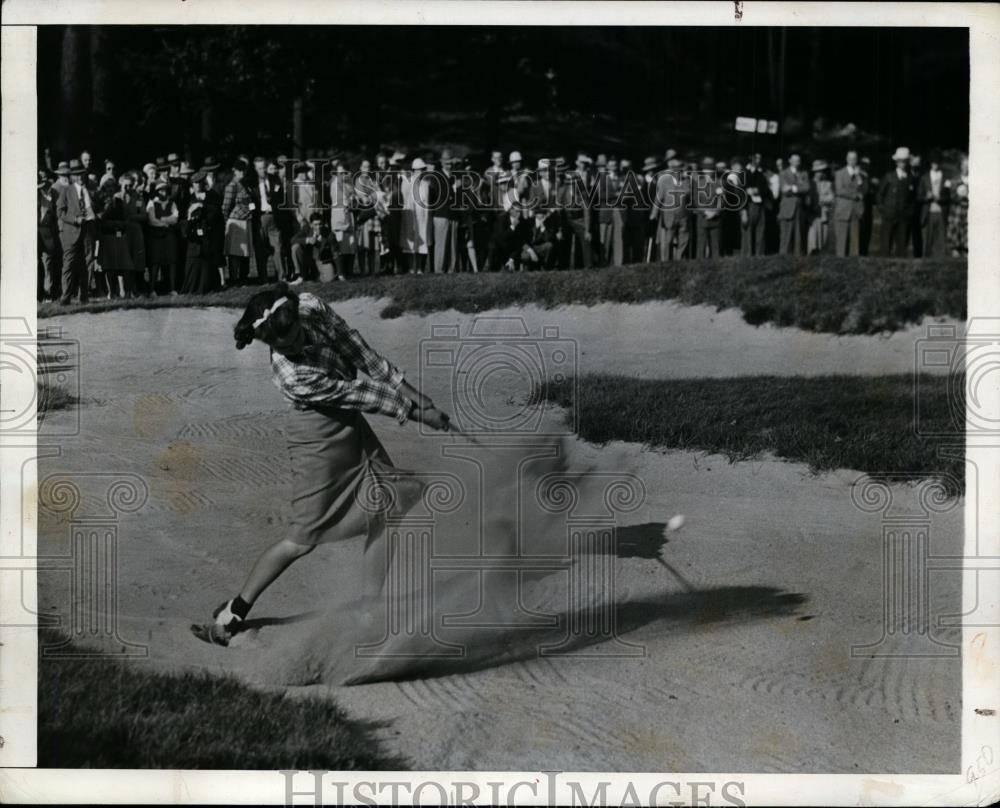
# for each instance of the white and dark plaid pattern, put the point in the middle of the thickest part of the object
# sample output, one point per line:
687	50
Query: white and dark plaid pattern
326	373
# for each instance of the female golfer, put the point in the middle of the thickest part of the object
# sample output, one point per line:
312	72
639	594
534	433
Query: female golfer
315	359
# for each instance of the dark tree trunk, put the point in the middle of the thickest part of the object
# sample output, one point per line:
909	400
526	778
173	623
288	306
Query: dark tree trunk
74	77
298	132
814	95
101	134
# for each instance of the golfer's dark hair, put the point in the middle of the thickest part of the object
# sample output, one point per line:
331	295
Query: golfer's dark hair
275	325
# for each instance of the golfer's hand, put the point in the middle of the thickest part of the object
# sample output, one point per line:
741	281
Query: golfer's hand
434	418
421	401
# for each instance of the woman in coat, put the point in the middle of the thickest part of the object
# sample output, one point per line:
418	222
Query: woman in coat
342	224
204	222
113	254
237	211
133	206
821	202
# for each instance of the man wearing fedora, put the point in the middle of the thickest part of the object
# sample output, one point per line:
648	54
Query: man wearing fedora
850	186
48	239
173	162
669	210
759	202
574	199
636	197
916	229
897	202
608	187
162	172
545	196
706	193
266	193
77	217
792	207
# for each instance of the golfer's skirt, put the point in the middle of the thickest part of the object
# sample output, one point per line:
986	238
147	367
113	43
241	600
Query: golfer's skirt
343	482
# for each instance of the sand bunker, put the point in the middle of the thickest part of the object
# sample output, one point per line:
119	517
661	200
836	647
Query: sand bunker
774	656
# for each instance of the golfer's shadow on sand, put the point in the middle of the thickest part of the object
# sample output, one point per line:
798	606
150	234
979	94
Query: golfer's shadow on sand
673	612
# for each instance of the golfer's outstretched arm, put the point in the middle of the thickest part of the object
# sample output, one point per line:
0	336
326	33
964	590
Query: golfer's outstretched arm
364	357
372	362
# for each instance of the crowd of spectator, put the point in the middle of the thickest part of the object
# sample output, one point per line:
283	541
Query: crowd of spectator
171	228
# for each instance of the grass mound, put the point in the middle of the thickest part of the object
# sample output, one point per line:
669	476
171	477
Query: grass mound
99	712
818	293
53	397
827	422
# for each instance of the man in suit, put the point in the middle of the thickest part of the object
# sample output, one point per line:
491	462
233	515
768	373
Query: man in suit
933	196
897	201
753	216
312	251
539	250
916	228
574	199
792	214
77	218
850	188
706	195
545	196
48	239
608	216
266	192
871	195
510	233
446	215
637	195
669	210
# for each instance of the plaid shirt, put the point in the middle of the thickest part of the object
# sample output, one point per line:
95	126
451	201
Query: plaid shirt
325	374
236	201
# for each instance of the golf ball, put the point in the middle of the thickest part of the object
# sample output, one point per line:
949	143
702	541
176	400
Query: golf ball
676	522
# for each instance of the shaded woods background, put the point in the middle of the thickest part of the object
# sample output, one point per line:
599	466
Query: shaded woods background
128	92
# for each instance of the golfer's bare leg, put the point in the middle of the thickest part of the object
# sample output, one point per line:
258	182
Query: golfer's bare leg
271	563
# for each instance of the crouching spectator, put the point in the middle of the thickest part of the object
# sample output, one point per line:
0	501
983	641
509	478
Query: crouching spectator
312	251
510	234
539	251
